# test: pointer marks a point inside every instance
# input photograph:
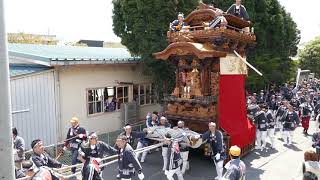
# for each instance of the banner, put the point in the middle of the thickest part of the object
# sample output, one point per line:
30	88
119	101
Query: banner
232	65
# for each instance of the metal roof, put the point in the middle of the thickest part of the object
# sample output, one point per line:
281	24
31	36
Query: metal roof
62	55
23	69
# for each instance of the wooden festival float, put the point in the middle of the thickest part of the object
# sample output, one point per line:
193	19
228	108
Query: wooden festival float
210	77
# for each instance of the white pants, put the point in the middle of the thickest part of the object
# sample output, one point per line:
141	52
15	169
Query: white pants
271	136
219	168
164	156
288	136
261	139
125	179
280	127
185	163
170	174
144	154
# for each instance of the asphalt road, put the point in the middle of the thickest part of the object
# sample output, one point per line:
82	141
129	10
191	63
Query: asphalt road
280	163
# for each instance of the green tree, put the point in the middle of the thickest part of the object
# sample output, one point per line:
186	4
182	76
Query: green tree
142	26
277	40
309	57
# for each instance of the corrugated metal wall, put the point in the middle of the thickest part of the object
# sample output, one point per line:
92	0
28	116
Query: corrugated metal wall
36	93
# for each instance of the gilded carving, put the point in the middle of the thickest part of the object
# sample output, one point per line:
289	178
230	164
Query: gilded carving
182	37
172	108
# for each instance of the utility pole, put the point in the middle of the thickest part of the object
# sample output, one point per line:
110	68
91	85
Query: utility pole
6	147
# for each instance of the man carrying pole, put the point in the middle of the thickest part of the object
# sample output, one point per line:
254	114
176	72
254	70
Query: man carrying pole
75	136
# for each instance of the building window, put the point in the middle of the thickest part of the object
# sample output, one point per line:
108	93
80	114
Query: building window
122	95
106	99
144	94
95	101
136	93
153	94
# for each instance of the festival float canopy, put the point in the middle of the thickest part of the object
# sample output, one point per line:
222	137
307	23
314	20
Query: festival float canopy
210	76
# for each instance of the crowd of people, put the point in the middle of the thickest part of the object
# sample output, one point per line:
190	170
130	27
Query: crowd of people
281	110
87	149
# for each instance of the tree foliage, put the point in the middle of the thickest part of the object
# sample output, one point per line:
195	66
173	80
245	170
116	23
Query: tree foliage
142	26
309	57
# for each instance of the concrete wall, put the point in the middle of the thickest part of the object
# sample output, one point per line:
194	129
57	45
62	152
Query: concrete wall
74	82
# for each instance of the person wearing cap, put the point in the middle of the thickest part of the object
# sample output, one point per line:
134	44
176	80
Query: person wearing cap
174	158
184	148
178	24
75	136
236	168
90	169
215	139
30	171
127	162
18	148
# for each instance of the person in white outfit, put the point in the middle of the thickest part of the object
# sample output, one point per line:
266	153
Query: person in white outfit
215	139
261	123
271	127
279	118
290	122
184	149
164	124
173	158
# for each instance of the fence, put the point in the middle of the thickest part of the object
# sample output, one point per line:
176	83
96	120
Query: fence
109	138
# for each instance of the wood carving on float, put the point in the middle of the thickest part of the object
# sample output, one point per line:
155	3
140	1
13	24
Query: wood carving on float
203	55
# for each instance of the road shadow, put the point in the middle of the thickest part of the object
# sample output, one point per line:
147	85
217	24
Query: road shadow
252	173
292	147
266	152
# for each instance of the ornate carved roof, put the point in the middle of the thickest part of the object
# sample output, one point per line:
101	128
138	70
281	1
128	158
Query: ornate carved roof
206	13
188	48
236	22
198	16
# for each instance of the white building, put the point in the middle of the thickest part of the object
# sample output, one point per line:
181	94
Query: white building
51	84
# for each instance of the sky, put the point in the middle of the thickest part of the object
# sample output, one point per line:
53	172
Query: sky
72	20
